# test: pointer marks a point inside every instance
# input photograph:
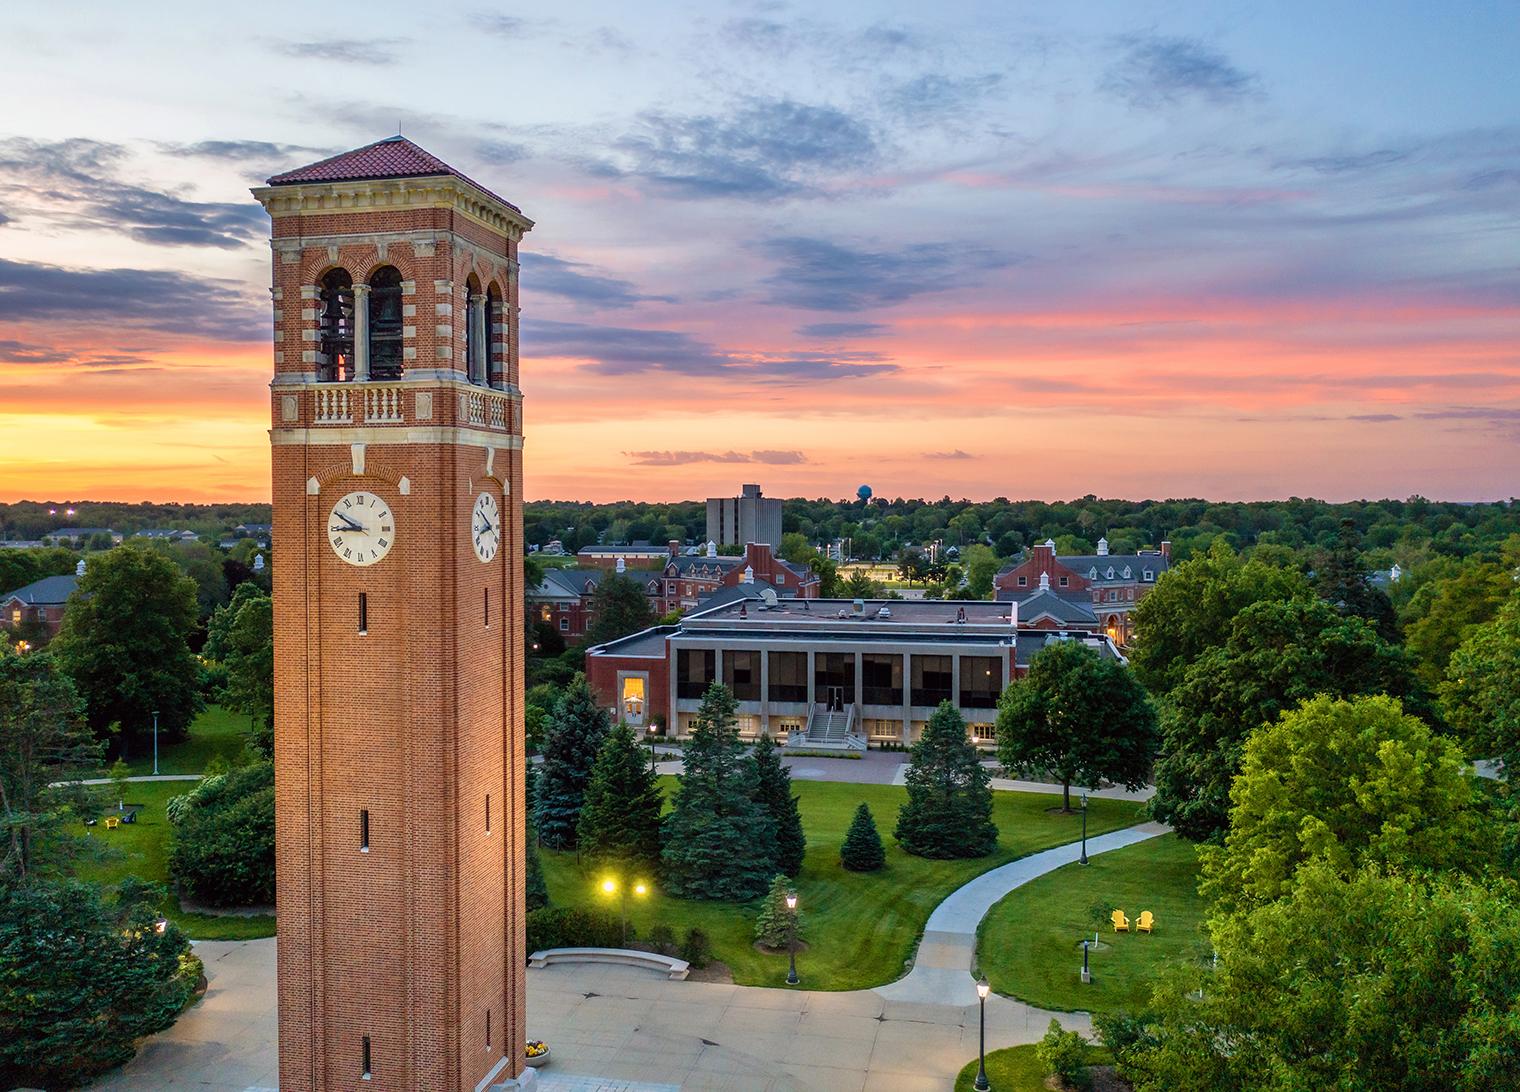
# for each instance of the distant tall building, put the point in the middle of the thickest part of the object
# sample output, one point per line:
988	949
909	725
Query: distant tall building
749	517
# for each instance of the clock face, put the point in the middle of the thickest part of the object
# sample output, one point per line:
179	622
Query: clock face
485	527
361	529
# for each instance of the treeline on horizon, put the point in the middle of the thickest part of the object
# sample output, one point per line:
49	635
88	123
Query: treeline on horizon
1406	532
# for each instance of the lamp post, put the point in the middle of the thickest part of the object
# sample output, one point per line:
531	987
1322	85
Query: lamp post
981	1085
155	743
791	938
1084	829
611	886
1086	974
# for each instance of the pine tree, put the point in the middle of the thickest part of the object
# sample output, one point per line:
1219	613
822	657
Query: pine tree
537	891
719	844
949	808
862	850
774	927
620	817
576	730
773	792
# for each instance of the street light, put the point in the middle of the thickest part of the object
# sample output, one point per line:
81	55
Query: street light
1084	828
155	743
791	938
981	1085
610	886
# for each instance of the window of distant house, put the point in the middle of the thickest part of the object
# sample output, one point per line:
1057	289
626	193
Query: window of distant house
1065	581
1149	575
1023	581
564	624
16	616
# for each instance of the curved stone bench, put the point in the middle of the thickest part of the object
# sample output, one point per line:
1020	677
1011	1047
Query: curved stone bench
676	969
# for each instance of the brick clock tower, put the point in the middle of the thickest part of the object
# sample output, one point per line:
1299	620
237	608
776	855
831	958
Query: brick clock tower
398	585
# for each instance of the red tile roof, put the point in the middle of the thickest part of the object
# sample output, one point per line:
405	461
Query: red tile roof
393	157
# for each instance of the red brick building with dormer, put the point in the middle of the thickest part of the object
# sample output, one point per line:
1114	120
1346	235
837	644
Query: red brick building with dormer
1107	584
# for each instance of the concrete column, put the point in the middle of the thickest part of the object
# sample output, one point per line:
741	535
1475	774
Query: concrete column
907	702
478	348
811	689
860	694
955	684
717	665
361	331
765	691
673	721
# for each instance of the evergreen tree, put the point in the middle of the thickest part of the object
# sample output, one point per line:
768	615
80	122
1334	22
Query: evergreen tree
773	792
577	728
620	607
949	808
620	818
775	926
537	891
862	850
1343	582
720	844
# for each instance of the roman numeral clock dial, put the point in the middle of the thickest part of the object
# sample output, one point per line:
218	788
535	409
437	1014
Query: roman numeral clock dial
485	527
361	529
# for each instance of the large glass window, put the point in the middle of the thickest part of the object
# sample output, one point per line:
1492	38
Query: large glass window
981	679
741	674
788	676
881	677
834	677
694	671
932	679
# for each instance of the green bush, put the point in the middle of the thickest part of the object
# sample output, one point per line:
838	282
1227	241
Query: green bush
696	949
662	938
573	927
222	852
1064	1056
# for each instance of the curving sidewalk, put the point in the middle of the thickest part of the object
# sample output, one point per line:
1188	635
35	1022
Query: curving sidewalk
941	973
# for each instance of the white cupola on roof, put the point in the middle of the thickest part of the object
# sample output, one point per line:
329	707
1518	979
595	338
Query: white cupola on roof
79	569
712	548
1103	547
621	566
258	563
1050	544
1393	573
1044	581
749	575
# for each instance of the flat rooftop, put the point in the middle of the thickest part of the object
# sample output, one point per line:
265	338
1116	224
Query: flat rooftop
898	613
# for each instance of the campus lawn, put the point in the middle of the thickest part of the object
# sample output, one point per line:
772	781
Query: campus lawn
859	928
141	849
1017	1069
216	732
1029	945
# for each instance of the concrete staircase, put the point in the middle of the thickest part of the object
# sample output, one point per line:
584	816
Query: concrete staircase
829	730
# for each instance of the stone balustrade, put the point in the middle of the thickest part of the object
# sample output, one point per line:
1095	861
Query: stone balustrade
382	403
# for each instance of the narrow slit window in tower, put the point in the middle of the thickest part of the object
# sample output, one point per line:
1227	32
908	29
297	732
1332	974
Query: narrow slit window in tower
364	1061
364	830
363	612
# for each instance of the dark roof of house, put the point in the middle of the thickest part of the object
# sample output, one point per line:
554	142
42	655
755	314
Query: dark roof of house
393	157
1042	601
647	642
685	564
79	532
51	591
1082	564
570	583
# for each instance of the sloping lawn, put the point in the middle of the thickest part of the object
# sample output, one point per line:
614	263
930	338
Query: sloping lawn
859	928
1029	945
1017	1069
216	732
142	849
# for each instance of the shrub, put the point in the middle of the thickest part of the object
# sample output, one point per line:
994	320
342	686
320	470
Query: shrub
222	852
662	938
1064	1056
696	949
862	850
573	927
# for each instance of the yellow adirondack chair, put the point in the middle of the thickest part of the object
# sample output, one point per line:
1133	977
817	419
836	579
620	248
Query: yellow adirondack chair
112	822
1146	923
1121	923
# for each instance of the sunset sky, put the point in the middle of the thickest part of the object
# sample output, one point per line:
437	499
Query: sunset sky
1018	249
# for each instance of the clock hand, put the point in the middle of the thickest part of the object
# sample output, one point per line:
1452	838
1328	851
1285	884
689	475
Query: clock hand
352	526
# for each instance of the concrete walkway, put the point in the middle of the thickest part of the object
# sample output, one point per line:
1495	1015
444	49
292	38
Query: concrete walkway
941	973
144	777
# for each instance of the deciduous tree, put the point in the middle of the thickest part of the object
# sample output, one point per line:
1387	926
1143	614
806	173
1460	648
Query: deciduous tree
620	607
1078	717
1481	694
124	642
1350	783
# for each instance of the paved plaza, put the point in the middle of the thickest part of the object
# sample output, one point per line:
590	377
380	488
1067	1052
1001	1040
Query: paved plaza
623	1029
